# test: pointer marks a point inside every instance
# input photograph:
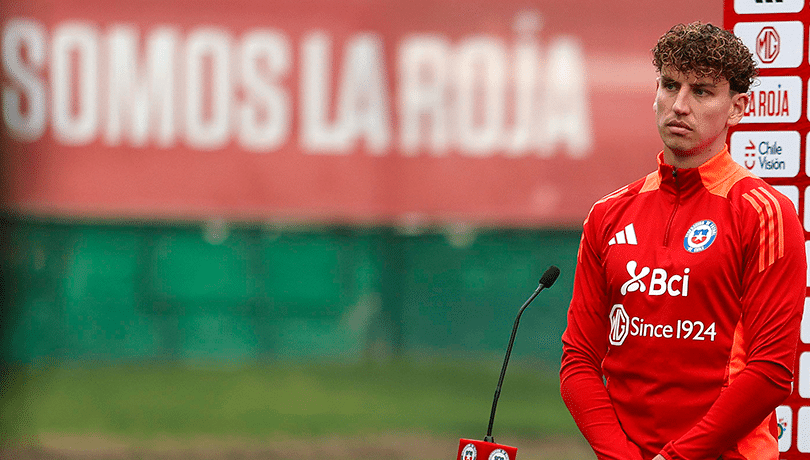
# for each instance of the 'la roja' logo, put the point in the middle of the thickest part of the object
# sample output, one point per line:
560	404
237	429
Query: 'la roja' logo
700	236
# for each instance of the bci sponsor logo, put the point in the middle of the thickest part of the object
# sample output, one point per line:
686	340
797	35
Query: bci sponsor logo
767	6
660	282
774	100
767	153
773	44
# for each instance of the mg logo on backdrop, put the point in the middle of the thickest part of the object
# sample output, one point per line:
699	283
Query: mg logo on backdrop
778	44
768	45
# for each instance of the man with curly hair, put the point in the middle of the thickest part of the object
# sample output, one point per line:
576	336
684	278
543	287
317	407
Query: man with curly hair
685	315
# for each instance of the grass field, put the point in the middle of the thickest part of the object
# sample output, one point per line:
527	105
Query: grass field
395	410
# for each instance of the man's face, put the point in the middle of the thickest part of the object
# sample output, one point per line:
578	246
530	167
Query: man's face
693	115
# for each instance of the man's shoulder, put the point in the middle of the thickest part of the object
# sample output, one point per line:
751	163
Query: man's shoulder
645	184
755	194
747	188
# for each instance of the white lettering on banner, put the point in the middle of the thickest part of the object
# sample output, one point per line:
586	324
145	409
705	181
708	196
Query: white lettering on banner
423	77
479	122
207	125
523	135
140	100
767	153
362	109
549	109
75	113
805	328
25	124
774	100
264	119
206	88
565	110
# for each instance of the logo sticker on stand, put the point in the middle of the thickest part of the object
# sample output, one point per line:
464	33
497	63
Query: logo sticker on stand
469	452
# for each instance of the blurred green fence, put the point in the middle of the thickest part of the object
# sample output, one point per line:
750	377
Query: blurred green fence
115	292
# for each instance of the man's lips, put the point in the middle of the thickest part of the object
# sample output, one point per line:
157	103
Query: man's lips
679	127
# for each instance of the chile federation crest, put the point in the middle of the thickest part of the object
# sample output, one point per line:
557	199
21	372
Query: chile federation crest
469	452
700	236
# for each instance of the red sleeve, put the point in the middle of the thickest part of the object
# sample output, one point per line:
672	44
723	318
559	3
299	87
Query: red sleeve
743	406
589	404
584	347
775	287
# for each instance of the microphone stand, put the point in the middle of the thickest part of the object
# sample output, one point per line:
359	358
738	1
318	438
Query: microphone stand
548	278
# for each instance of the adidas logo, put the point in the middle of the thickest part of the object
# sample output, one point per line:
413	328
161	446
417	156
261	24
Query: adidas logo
626	236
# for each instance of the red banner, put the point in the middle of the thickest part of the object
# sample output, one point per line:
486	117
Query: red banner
495	113
771	142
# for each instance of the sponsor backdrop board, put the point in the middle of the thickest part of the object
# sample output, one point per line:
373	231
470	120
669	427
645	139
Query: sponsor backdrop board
772	142
504	113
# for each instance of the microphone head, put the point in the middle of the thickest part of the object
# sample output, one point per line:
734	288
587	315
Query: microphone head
550	276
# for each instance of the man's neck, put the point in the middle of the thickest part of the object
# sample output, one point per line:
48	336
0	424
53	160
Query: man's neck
689	159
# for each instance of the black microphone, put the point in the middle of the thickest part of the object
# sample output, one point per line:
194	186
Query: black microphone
548	278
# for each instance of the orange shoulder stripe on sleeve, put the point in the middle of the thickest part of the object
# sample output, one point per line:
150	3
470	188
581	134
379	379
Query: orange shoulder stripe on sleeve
771	226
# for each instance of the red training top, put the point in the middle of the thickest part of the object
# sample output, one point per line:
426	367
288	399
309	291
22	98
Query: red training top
685	316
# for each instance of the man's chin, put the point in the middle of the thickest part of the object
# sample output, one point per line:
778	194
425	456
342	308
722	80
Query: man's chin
685	153
682	149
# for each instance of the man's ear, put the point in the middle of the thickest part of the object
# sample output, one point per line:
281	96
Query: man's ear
739	102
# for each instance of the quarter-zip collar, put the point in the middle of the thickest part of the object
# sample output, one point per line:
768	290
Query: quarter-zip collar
685	182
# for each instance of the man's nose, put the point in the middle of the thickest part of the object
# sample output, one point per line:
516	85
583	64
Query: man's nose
681	104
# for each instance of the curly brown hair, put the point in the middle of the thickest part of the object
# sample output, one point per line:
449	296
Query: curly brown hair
707	51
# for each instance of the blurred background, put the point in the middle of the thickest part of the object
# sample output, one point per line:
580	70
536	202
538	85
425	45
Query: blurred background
303	229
